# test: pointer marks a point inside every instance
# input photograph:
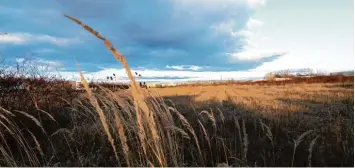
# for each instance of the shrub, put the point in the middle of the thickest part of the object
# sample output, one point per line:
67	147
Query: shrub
270	76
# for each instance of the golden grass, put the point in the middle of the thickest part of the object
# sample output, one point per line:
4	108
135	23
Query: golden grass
206	138
267	99
101	114
123	138
139	101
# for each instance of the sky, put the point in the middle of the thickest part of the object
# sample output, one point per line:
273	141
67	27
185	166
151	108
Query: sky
180	40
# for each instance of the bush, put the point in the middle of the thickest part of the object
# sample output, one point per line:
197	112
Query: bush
270	76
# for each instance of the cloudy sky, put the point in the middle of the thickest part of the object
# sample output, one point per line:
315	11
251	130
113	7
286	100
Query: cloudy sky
180	39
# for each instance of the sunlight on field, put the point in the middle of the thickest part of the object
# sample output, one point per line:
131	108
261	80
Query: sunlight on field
270	99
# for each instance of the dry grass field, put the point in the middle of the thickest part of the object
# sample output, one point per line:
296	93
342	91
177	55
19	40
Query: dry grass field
272	99
291	111
237	125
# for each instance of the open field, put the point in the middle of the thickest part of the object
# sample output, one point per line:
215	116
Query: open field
240	125
272	99
290	110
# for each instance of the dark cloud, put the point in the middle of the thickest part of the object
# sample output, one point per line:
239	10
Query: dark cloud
91	8
152	33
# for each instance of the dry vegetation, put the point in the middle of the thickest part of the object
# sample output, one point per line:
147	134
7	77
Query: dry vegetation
268	99
236	125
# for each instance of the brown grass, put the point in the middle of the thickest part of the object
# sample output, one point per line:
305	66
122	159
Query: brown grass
138	97
271	99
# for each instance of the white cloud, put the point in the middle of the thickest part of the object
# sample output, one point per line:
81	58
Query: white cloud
176	67
254	42
45	50
299	59
227	27
184	67
49	63
195	68
41	64
14	39
308	38
253	23
211	3
256	3
26	38
244	33
165	75
254	54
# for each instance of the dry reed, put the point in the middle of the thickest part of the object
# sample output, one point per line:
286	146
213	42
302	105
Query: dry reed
101	114
123	138
138	98
297	142
310	150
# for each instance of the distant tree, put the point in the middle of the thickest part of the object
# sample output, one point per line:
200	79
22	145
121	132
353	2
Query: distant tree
278	76
308	72
270	76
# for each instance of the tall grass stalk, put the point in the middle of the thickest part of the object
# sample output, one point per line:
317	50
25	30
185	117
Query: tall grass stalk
297	142
236	122
310	150
139	100
101	114
245	141
123	138
27	154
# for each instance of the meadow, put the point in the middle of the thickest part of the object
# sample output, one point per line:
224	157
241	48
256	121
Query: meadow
234	124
